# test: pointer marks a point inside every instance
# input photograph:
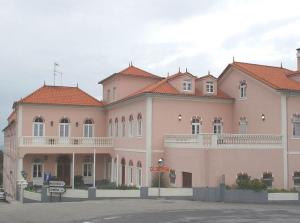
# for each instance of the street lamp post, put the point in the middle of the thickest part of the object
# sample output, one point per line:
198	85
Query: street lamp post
160	164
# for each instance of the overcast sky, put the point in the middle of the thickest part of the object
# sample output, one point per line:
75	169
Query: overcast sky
93	39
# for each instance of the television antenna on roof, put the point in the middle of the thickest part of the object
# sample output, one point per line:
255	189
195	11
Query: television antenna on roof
56	72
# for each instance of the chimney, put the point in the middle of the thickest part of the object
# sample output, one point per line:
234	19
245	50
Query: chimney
298	59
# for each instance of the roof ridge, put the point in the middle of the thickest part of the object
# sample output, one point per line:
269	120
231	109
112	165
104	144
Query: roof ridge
264	65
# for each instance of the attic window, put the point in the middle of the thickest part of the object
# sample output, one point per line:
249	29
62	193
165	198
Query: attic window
209	87
187	85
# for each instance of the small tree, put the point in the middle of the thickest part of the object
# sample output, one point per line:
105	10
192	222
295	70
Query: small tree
242	180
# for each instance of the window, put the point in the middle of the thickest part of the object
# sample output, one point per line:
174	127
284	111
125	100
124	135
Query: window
123	126
88	128
296	126
139	174
130	126
130	172
296	178
209	87
87	169
243	86
217	126
187	85
38	127
110	129
267	179
243	125
108	95
116	127
64	126
196	125
114	94
37	170
139	122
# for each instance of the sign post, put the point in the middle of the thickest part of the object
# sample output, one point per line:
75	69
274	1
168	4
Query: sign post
57	187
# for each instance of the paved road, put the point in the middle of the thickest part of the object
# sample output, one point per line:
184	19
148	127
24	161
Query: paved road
146	211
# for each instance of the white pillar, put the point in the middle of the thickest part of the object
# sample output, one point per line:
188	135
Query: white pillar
112	169
73	171
20	168
284	139
117	177
148	140
94	169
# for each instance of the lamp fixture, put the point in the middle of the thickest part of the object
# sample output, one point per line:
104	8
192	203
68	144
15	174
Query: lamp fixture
263	117
179	117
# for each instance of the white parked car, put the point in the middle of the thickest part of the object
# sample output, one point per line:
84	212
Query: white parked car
2	194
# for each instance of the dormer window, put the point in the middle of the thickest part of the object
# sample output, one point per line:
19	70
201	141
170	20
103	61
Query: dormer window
187	85
243	87
209	87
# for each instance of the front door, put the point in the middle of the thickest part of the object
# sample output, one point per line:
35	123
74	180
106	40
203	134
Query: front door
64	169
186	179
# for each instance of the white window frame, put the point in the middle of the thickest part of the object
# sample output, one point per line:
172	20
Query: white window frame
243	126
130	174
187	85
116	127
209	86
131	127
39	165
218	126
87	170
90	130
296	121
39	126
140	125
243	90
64	126
123	127
196	126
139	176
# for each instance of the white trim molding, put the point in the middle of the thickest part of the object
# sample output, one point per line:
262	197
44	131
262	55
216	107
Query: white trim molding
284	138
149	102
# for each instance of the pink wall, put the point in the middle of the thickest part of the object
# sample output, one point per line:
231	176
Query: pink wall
178	83
260	99
166	111
55	113
293	107
201	85
125	85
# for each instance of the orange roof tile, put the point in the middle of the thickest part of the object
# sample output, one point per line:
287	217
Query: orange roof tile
60	95
275	77
132	71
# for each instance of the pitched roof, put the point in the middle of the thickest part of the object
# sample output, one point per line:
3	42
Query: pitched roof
132	71
275	77
60	95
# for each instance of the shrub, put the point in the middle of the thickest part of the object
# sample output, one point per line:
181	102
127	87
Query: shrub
244	181
257	185
78	181
126	187
163	180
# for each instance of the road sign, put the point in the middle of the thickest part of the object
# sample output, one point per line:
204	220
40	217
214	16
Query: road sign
57	183
162	169
56	190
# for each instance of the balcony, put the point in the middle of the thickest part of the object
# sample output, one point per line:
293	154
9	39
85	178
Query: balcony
53	141
218	141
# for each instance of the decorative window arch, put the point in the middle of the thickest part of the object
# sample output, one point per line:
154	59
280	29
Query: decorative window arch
243	88
64	127
38	127
130	172
196	125
123	126
139	124
217	125
130	126
110	128
88	128
139	174
116	127
243	125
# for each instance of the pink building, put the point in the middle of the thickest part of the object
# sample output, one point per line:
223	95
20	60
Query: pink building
246	120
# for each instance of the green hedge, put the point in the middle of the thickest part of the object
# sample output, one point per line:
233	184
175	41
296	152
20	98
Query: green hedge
244	181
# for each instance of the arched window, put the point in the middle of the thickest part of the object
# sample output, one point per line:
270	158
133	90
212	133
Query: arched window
243	125
116	127
139	174
139	124
130	172
88	128
130	126
217	126
123	126
110	129
38	127
196	125
243	87
64	127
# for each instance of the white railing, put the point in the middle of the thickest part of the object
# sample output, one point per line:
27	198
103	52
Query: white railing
53	141
224	141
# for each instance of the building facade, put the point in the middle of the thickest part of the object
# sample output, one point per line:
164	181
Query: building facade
246	120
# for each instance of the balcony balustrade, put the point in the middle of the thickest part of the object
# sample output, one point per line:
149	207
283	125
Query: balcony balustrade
238	141
53	141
